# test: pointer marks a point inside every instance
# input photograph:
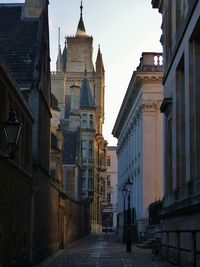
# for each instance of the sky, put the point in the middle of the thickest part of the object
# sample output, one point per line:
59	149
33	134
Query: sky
123	29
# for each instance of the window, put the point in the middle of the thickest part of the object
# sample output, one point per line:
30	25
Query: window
108	198
84	149
83	179
108	161
90	149
180	124
84	121
91	179
169	155
166	108
108	181
91	121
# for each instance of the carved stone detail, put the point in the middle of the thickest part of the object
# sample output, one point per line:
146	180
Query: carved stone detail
152	106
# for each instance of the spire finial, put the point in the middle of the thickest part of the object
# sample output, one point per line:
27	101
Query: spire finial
81	8
81	28
59	37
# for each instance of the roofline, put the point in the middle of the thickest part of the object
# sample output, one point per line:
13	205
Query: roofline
11	5
134	83
14	83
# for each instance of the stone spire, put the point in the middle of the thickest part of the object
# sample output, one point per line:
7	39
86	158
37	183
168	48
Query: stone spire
81	27
99	62
64	57
59	58
86	99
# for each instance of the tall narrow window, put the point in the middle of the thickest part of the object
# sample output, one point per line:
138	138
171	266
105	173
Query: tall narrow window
84	179
108	181
108	161
91	121
194	85
166	108
180	124
109	198
84	121
91	179
90	150
84	149
169	155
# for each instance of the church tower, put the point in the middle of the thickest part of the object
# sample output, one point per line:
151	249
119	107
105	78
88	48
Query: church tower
79	85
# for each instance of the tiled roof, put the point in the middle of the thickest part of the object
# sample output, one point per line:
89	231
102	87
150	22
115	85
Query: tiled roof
86	99
19	43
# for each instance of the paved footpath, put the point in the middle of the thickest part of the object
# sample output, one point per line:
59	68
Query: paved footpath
101	251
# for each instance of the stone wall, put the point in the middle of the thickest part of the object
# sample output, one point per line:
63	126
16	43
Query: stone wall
58	219
15	190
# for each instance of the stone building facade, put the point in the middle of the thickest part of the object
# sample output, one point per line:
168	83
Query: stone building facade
15	176
181	217
109	213
39	216
79	89
139	150
28	61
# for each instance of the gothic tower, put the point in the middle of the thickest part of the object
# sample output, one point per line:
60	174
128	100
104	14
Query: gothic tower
79	88
70	67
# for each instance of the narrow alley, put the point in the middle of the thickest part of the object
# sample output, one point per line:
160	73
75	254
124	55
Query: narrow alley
101	251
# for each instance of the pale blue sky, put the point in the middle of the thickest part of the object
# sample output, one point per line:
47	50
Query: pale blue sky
123	28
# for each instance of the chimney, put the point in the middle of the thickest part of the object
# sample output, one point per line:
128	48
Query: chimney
34	8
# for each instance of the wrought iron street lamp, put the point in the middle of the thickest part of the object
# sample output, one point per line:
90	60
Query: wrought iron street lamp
124	194
128	185
11	129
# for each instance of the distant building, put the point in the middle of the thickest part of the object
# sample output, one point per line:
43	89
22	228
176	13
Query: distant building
181	108
79	89
139	131
109	213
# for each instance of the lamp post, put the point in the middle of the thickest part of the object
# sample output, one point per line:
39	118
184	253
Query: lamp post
129	185
124	194
11	129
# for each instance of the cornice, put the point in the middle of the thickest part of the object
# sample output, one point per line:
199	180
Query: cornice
157	77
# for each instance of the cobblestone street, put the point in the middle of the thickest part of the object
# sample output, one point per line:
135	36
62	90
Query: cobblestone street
101	251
